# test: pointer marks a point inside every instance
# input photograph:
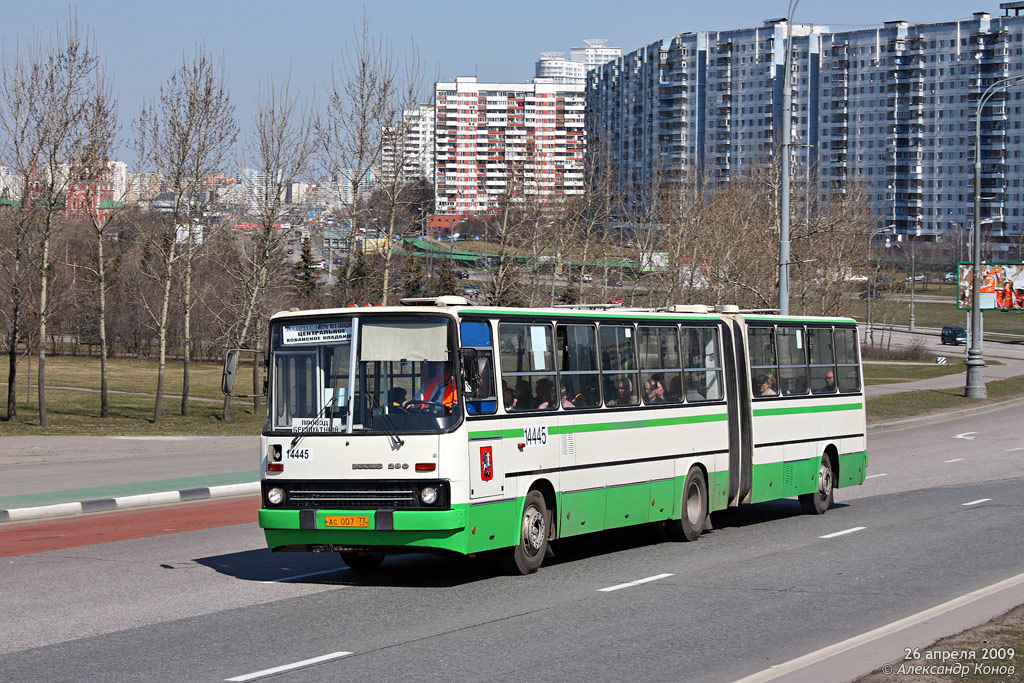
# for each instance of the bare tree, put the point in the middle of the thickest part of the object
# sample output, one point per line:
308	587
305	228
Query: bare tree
45	92
350	132
180	135
278	154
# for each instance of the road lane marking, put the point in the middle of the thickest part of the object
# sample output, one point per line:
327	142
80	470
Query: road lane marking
955	460
872	476
965	435
885	632
1011	450
289	667
843	533
975	502
302	576
633	583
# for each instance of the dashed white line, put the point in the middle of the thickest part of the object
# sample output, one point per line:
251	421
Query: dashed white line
633	583
955	460
975	502
289	667
1011	450
843	533
302	576
872	476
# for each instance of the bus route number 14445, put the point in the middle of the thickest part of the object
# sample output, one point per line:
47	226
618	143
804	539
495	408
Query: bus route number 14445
536	436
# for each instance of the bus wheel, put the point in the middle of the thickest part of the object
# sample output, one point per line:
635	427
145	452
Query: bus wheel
695	508
817	503
528	555
362	560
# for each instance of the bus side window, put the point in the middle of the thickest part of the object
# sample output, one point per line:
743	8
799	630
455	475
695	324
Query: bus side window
579	386
792	360
478	368
703	374
847	365
527	366
823	360
763	365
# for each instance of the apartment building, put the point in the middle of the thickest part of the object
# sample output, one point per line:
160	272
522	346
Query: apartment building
888	109
498	141
410	146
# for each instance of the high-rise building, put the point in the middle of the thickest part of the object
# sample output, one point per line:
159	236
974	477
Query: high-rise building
502	141
554	65
119	178
414	146
594	52
259	188
891	109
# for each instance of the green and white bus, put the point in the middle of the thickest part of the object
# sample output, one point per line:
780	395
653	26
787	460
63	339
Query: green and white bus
443	426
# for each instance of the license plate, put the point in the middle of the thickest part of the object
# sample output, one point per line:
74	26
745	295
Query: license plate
359	521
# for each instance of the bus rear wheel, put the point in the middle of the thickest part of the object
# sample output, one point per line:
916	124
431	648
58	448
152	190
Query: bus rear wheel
818	502
362	560
695	508
529	553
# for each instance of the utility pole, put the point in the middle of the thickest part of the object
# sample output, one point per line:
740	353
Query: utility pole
787	115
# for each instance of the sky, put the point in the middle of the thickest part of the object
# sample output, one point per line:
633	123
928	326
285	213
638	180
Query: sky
142	42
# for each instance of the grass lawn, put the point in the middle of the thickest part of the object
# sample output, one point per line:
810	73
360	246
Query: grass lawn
915	403
890	373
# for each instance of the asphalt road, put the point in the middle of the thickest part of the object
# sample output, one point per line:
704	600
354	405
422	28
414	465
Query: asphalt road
762	588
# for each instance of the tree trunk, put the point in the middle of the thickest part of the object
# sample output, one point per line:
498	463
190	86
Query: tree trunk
44	281
187	322
104	403
12	354
162	367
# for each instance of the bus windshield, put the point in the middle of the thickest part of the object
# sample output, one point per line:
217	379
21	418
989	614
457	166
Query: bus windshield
402	380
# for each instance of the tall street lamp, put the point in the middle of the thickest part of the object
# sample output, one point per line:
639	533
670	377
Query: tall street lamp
975	387
872	276
787	114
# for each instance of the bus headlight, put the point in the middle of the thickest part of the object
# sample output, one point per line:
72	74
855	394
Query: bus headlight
428	495
275	496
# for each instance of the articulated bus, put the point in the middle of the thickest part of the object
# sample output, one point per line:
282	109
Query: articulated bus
443	426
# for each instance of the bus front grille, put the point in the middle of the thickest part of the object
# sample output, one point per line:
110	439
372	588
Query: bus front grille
357	495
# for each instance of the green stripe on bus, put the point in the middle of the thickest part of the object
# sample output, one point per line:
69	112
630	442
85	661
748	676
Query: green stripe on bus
603	426
807	409
798	319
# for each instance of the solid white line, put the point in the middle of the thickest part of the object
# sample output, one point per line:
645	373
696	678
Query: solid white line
302	576
886	631
289	667
843	533
1011	450
633	583
955	460
975	502
872	476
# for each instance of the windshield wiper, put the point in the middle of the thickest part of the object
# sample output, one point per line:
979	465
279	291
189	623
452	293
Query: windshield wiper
388	426
308	429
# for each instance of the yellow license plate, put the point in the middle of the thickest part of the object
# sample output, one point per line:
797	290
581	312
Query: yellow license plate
347	521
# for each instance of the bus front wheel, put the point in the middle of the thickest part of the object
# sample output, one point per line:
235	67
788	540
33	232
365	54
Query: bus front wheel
816	503
362	560
695	508
528	554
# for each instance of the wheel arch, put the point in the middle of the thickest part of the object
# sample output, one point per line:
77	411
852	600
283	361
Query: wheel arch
832	453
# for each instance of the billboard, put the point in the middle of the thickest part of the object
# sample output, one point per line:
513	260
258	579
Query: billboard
1002	286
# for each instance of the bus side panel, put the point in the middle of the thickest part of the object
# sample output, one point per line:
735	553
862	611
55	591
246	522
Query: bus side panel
581	512
852	468
767	480
718	494
627	504
488	526
663	493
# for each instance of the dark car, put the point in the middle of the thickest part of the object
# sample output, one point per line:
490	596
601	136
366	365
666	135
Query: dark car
951	334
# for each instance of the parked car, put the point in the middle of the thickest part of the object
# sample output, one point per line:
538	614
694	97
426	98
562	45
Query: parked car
291	251
469	290
952	334
615	301
462	275
949	277
917	278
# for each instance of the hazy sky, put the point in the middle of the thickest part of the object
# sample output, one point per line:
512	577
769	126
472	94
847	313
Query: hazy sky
142	41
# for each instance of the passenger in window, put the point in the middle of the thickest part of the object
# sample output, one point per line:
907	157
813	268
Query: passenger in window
675	389
623	393
829	387
656	389
545	394
692	394
507	395
568	403
524	396
764	385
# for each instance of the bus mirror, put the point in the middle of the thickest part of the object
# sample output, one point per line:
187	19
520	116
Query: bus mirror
227	380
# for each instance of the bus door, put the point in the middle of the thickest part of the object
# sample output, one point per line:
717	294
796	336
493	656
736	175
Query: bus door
741	453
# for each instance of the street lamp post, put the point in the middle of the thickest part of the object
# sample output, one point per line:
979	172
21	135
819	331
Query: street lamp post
787	114
975	387
870	329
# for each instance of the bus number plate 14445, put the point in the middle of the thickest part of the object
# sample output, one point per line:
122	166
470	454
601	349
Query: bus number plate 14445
536	435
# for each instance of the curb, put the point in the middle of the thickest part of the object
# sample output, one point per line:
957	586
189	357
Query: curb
125	502
940	416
